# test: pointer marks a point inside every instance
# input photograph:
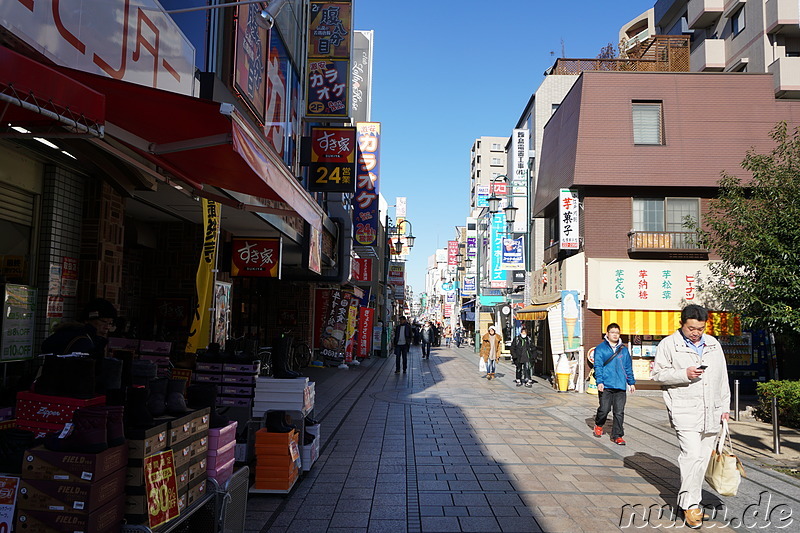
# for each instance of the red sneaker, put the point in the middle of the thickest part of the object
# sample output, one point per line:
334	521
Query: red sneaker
598	431
619	440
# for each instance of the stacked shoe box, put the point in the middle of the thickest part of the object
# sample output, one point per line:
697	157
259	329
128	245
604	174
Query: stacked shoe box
236	388
221	452
273	394
188	438
141	443
276	460
42	414
68	492
310	452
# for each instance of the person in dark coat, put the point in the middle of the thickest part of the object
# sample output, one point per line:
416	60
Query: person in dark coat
523	354
403	336
89	336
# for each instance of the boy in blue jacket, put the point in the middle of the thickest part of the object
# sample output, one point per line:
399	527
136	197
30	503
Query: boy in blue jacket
613	371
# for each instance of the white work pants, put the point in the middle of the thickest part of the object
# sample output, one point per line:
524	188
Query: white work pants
695	453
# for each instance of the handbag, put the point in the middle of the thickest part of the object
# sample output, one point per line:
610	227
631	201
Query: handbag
725	470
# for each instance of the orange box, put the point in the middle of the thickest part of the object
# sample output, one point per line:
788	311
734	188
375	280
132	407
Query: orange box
272	473
278	449
274	461
274	485
267	437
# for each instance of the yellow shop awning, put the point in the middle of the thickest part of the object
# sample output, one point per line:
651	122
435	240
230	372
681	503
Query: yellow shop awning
642	322
533	312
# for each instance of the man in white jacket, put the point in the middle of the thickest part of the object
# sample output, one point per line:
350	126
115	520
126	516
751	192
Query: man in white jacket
692	371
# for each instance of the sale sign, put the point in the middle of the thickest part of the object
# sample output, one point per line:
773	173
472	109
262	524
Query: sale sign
333	160
161	487
256	258
8	499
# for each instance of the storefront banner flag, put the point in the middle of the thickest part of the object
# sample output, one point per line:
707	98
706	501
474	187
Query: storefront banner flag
572	317
334	328
366	320
352	327
498	231
365	201
322	299
469	286
200	331
256	258
513	255
656	285
452	253
401	204
569	220
333	159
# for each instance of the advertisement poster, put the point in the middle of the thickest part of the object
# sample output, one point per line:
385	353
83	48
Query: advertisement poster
513	256
396	274
330	29
452	253
334	328
69	277
8	499
469	286
161	487
498	276
19	313
250	53
314	249
365	201
200	331
569	220
572	323
327	88
222	312
366	319
256	258
333	160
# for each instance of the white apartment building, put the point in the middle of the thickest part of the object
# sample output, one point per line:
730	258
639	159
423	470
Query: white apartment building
487	162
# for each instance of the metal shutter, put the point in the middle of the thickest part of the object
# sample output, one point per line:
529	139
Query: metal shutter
16	205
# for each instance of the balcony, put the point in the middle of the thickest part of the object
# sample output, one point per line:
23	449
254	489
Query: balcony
782	16
664	241
660	53
703	13
709	56
786	77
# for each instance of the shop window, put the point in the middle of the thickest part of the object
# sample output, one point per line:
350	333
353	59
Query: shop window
664	214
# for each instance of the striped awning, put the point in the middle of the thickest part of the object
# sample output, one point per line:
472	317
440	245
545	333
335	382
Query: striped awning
641	322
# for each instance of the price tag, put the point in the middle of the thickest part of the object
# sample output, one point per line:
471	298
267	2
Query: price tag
161	487
294	451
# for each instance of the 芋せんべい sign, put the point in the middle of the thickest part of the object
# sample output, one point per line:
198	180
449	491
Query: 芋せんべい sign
256	258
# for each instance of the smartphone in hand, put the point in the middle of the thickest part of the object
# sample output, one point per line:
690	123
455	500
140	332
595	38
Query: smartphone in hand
702	367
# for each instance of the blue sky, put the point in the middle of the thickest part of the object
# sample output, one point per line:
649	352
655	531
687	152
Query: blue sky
448	72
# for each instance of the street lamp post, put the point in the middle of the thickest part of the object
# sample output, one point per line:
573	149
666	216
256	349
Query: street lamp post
392	247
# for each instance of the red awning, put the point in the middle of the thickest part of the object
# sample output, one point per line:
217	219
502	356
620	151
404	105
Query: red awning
40	95
192	138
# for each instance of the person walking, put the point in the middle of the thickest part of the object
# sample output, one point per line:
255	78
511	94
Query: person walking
402	341
691	368
613	372
457	337
491	344
448	335
523	354
426	338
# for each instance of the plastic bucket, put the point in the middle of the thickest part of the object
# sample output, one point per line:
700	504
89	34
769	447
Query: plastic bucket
563	382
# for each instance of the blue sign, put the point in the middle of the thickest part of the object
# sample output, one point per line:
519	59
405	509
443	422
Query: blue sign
498	277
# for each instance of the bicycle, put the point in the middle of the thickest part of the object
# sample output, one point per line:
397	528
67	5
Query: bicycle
301	356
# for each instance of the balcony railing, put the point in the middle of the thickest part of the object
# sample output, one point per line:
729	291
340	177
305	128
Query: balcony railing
664	241
660	53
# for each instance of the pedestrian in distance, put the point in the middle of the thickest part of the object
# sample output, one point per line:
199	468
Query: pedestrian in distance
426	338
457	337
437	332
403	336
491	345
523	354
691	368
613	371
448	335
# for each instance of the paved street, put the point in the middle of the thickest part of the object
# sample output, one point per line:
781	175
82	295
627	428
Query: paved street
441	449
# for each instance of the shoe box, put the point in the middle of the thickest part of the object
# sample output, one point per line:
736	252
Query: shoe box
188	426
310	452
42	413
235	381
273	394
72	492
277	458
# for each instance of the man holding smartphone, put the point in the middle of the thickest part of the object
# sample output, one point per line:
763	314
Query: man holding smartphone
691	368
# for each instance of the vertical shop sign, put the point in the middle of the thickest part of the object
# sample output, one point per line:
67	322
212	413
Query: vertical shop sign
329	38
568	220
361	76
332	336
256	258
251	49
161	488
200	331
498	276
330	29
452	253
520	144
469	286
352	327
513	255
333	160
19	313
472	247
362	269
365	202
365	324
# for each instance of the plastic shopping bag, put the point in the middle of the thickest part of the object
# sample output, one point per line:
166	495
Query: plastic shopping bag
481	364
725	470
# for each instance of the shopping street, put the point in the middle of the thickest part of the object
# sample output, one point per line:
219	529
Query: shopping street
440	449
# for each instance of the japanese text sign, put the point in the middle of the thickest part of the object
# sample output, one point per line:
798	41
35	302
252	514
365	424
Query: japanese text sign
330	29
327	88
19	312
397	274
252	40
333	160
366	320
362	269
256	258
520	150
452	253
365	202
569	220
332	336
8	500
513	255
498	276
161	487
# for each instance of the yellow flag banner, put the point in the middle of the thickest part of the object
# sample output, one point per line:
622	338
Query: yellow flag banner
200	332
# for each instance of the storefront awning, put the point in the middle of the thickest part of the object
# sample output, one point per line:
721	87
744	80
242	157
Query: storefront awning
199	140
39	94
533	312
644	322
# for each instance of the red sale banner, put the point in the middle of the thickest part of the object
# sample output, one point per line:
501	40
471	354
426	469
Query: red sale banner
365	322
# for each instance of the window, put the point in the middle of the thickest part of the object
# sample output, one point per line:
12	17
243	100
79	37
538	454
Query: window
496	147
554	108
647	123
495	175
497	161
664	214
737	22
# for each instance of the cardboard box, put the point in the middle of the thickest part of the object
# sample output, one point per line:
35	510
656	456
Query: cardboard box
68	467
201	420
234	401
205	377
42	408
180	429
198	468
219	437
182	454
144	442
39	429
221	473
81	498
238	379
200	445
104	520
242	368
197	489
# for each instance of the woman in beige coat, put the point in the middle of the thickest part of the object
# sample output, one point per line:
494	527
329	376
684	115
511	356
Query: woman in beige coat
491	346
